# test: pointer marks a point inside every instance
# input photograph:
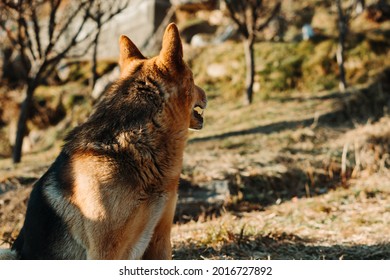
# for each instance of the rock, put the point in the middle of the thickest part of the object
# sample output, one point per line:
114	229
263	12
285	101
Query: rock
229	32
307	32
222	34
202	199
139	21
322	15
199	27
216	17
276	29
216	70
201	40
195	5
104	82
63	71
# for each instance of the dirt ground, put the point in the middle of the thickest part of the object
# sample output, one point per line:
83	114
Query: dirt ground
299	187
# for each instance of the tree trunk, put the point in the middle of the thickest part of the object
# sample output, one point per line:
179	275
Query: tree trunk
343	28
250	69
94	58
340	62
22	122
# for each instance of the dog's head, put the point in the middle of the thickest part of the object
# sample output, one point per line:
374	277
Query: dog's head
168	72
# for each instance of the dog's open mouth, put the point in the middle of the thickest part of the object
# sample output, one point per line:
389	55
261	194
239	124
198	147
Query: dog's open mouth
198	112
197	116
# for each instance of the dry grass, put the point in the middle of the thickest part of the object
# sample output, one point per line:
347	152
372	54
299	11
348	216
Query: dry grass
308	169
285	161
342	224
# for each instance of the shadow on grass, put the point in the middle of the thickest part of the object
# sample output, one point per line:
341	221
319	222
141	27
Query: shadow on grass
274	127
255	192
17	182
330	95
284	247
261	190
359	106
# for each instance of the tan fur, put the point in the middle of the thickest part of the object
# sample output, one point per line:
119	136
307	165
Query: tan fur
113	219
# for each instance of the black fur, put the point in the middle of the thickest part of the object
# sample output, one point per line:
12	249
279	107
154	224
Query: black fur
127	105
42	228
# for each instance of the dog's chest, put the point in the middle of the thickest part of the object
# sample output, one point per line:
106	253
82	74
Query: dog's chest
152	217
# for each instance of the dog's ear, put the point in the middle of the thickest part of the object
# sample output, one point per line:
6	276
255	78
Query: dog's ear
127	51
171	55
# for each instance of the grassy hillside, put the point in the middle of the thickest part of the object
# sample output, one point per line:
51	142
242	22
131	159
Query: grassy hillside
307	167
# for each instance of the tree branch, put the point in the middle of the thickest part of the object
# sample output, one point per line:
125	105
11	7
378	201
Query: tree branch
81	54
113	11
9	33
13	5
233	14
54	4
274	12
28	37
73	41
37	30
20	35
66	25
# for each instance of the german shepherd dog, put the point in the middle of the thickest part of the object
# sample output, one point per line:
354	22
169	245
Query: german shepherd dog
111	193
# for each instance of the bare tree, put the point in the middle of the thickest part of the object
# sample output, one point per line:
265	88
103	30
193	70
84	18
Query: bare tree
44	32
343	19
344	16
250	16
101	13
